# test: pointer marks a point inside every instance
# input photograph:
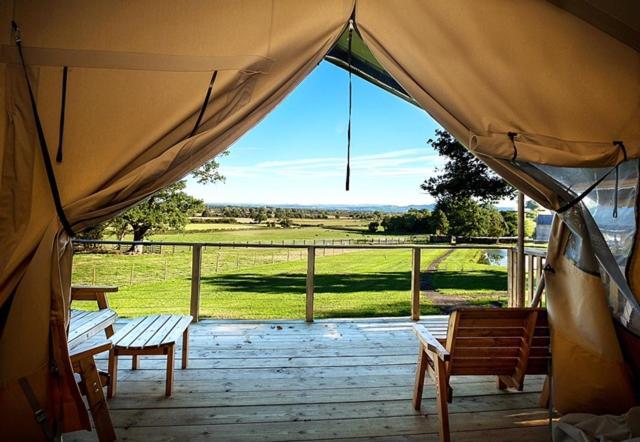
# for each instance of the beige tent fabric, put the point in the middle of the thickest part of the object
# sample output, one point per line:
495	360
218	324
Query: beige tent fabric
138	74
589	372
139	71
567	91
483	69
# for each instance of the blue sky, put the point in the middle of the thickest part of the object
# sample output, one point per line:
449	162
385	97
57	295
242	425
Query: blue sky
297	154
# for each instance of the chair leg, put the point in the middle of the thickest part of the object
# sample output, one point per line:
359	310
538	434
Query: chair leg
112	386
97	402
170	362
185	348
442	388
421	368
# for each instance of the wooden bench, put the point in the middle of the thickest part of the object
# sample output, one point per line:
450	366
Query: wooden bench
150	335
508	343
83	326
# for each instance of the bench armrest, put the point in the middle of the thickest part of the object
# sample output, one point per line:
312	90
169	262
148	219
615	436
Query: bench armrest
431	343
92	293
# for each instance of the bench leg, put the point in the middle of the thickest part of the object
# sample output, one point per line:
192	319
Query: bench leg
442	389
421	368
96	400
134	362
185	348
113	374
170	362
545	394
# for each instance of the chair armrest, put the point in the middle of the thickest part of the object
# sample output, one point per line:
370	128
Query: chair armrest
431	343
92	293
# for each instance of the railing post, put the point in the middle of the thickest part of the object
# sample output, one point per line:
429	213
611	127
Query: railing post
196	267
532	278
415	285
510	278
520	268
311	270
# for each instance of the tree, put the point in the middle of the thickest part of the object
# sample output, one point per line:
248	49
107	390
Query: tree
464	176
260	215
533	206
209	172
510	218
469	218
440	222
167	209
373	226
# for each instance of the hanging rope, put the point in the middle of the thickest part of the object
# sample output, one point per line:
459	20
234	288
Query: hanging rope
350	105
44	150
63	106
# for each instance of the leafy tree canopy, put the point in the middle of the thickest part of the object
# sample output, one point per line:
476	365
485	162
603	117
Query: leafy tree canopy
167	209
463	176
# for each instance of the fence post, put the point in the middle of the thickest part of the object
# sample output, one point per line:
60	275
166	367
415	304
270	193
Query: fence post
311	269
196	267
415	285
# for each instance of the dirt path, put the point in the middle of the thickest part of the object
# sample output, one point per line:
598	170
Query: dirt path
446	303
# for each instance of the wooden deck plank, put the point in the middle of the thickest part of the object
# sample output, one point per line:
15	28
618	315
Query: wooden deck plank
330	380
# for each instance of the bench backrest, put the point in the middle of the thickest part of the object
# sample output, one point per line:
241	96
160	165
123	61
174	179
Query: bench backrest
490	341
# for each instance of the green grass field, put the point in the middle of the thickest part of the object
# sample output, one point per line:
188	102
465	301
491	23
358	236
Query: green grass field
463	274
241	283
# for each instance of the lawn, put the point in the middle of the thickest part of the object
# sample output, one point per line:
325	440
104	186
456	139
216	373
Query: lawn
462	273
241	283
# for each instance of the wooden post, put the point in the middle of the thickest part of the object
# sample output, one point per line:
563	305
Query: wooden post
532	278
415	285
510	288
311	269
520	258
196	267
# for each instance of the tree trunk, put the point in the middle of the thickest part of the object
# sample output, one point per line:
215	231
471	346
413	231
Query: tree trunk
138	235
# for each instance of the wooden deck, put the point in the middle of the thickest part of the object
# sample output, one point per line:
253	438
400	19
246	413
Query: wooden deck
330	380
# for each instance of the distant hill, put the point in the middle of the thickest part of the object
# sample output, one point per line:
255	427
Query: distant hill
332	207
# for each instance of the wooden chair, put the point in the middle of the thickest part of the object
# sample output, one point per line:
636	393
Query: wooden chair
508	343
83	326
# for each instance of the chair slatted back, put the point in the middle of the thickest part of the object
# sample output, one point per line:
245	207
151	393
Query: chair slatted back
510	342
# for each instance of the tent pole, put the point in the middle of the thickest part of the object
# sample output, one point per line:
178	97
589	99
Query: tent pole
520	256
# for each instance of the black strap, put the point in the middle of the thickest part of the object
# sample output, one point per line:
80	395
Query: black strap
63	106
512	136
39	413
620	145
204	103
615	194
350	105
580	197
42	140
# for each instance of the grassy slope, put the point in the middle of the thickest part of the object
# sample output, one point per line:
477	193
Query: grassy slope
461	274
270	283
364	283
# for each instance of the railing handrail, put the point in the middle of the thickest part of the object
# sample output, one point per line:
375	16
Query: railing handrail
284	245
197	248
542	252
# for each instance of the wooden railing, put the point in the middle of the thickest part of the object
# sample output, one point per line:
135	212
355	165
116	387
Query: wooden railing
416	249
535	259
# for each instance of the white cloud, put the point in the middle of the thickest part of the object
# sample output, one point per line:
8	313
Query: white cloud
402	162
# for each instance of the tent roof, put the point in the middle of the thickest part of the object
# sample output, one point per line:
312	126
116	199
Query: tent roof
364	64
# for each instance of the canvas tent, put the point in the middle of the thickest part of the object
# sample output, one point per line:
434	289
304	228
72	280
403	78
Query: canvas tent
546	93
